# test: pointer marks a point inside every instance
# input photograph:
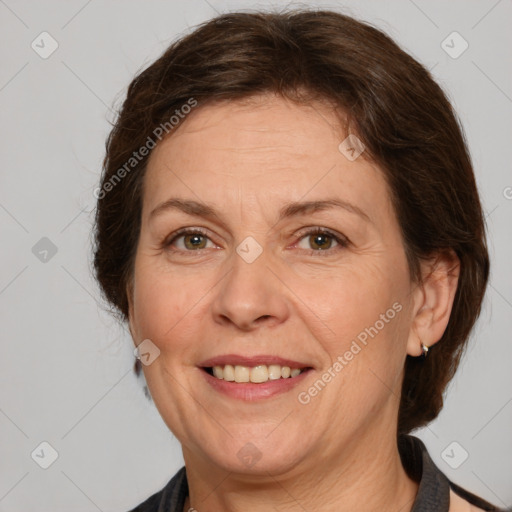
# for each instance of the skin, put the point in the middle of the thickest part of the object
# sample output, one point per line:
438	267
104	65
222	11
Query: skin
338	452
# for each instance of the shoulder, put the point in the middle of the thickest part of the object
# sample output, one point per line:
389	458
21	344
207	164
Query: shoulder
171	498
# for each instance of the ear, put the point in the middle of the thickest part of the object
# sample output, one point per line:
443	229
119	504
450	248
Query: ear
433	300
131	321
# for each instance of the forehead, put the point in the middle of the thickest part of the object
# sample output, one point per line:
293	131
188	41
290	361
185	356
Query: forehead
265	149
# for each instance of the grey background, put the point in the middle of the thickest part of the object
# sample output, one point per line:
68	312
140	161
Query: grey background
65	365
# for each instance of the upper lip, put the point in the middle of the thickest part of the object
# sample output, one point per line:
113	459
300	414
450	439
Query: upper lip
235	359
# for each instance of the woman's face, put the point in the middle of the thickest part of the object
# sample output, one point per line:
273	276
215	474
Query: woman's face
254	280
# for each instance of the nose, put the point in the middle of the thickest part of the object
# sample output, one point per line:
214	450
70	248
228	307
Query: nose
250	295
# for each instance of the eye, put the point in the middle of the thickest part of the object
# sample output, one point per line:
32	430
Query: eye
192	240
320	240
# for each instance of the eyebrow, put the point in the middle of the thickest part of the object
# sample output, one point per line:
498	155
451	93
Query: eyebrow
292	209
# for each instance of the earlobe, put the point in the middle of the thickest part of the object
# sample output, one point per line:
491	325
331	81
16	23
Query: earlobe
434	299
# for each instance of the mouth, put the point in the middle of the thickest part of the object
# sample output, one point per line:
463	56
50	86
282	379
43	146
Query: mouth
254	378
258	374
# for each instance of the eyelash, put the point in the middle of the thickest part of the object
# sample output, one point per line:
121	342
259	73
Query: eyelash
341	241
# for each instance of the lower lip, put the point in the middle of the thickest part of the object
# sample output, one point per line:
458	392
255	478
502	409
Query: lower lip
250	392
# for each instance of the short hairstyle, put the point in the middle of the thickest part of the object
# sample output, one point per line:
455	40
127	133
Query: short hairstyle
392	104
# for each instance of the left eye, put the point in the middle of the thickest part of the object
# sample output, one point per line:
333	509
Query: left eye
321	240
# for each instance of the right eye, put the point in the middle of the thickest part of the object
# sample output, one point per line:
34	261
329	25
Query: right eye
193	239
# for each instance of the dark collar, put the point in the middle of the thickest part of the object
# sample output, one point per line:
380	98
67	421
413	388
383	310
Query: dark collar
434	487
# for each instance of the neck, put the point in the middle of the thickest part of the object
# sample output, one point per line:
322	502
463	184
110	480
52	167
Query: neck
366	475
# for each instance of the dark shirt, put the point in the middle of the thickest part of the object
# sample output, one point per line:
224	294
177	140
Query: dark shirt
433	492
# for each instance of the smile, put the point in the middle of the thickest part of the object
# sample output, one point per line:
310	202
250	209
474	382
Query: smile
256	374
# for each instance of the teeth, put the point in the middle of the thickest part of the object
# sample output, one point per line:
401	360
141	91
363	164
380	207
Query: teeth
274	372
217	372
259	374
242	374
228	373
256	374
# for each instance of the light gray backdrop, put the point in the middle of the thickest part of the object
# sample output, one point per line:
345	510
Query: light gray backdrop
66	366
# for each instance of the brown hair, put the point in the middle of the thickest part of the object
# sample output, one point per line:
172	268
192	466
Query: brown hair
395	107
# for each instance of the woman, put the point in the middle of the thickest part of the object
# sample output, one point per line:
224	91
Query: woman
288	221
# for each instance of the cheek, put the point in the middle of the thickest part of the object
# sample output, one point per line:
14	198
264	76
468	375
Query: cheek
363	333
350	299
359	314
160	302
